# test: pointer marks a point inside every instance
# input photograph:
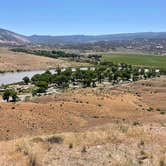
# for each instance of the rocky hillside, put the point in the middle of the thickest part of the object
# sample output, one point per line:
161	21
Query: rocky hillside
8	37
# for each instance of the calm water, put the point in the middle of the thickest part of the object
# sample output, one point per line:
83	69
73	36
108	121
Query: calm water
14	77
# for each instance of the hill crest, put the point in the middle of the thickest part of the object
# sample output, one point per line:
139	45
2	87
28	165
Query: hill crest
9	37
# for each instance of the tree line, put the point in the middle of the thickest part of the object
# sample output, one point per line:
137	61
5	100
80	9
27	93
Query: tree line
104	72
60	54
51	54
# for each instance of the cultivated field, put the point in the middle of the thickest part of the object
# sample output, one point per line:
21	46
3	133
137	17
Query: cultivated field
107	126
137	59
10	61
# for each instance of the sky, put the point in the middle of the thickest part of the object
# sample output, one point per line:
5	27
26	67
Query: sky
88	17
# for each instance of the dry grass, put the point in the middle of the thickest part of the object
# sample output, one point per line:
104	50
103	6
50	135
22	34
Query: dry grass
105	145
104	126
10	61
26	149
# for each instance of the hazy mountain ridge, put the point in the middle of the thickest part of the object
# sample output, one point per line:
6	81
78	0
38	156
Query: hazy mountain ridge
91	39
8	37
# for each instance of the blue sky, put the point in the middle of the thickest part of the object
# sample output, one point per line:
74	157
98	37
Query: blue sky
67	17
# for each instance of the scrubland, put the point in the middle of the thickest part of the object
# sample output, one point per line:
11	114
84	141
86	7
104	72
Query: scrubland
123	125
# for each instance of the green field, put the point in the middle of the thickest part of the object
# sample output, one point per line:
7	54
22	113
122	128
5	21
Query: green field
138	60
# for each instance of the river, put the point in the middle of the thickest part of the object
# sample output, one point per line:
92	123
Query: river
14	77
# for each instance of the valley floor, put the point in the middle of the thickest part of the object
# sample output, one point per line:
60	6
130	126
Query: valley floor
12	61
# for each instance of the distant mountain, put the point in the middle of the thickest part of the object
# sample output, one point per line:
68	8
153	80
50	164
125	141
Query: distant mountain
8	37
91	39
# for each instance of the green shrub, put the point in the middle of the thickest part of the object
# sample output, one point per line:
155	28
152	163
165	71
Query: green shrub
10	93
55	139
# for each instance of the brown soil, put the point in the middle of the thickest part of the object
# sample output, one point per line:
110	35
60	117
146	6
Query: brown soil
102	126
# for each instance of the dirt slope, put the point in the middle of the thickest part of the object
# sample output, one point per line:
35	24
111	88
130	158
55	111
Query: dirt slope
102	126
70	111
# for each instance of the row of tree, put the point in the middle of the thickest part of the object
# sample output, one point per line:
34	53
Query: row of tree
47	53
89	78
106	71
60	54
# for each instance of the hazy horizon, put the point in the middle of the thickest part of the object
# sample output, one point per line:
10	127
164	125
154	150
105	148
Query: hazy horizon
82	34
78	17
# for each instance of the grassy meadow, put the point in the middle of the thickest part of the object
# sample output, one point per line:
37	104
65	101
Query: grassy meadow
137	60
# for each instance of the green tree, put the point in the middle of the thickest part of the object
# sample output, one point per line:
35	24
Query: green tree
58	70
14	96
6	95
47	72
10	93
26	80
126	74
101	73
89	77
68	72
46	77
42	86
62	80
110	76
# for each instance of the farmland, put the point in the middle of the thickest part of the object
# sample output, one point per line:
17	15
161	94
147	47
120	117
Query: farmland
137	60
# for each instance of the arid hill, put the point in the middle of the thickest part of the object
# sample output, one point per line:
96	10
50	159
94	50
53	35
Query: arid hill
123	125
12	38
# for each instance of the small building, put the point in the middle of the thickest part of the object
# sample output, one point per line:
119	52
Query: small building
84	68
146	70
73	69
62	70
2	90
139	70
157	70
92	69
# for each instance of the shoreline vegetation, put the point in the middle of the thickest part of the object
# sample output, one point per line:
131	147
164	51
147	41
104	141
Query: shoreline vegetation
64	78
101	69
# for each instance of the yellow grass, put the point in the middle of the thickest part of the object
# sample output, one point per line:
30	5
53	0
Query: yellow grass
10	61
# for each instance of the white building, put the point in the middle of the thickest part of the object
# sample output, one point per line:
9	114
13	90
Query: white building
146	70
157	70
